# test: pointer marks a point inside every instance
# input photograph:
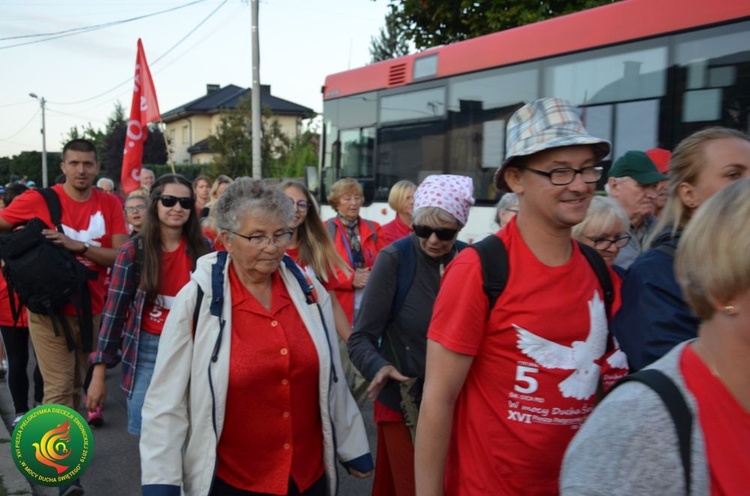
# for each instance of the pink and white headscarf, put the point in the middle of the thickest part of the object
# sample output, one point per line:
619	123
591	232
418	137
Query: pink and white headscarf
450	192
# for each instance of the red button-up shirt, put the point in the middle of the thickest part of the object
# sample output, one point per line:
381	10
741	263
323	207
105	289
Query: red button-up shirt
272	428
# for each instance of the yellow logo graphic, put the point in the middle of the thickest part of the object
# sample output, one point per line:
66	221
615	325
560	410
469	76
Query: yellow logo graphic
54	447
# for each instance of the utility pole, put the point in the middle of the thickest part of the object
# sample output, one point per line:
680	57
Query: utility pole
255	101
42	101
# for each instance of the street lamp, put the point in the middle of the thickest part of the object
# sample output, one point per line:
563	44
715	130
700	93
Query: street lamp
44	140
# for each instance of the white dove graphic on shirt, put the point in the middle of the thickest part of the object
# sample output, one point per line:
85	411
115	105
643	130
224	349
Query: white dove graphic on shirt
96	229
580	357
618	359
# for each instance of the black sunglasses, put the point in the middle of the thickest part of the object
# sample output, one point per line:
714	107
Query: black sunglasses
442	234
169	201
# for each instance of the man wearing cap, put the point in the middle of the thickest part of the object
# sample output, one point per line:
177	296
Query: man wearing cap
507	388
661	158
633	181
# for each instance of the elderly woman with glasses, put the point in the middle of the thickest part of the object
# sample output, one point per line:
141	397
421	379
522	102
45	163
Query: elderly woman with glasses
605	228
390	332
687	433
246	397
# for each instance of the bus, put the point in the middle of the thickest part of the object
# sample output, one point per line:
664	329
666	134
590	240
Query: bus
643	73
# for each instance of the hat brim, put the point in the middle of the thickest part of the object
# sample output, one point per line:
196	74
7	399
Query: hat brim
649	177
601	149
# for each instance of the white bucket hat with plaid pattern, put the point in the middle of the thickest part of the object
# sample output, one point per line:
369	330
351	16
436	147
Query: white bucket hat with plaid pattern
544	124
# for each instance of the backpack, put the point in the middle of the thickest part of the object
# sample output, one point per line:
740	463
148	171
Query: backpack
678	409
43	276
494	261
407	269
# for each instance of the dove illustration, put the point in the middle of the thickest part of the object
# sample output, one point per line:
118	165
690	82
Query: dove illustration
581	356
97	228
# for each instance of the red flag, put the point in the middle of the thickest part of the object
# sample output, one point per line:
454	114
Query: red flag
143	109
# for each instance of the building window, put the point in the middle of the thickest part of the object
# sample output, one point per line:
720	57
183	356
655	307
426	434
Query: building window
185	135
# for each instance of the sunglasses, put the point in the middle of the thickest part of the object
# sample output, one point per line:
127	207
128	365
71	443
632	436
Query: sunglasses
169	201
442	234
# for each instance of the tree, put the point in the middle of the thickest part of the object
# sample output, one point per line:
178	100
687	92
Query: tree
232	144
391	42
430	23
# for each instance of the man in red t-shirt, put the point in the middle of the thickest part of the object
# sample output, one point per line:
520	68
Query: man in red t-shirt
94	227
504	395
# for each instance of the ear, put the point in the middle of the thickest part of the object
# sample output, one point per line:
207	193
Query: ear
226	240
512	176
613	184
686	193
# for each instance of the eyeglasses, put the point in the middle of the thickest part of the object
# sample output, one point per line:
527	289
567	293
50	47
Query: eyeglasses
135	208
511	210
169	201
606	243
442	234
302	205
260	240
566	175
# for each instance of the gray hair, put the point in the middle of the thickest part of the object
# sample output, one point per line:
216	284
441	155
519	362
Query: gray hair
433	216
507	200
246	194
105	180
603	214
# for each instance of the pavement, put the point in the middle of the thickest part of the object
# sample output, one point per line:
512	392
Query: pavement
11	479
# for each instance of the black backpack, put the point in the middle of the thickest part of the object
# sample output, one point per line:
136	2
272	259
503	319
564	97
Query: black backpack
43	276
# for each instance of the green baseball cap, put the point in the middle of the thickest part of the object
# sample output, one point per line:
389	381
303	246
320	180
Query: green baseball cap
636	165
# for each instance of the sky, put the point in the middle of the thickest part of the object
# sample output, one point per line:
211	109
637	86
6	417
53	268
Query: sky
198	42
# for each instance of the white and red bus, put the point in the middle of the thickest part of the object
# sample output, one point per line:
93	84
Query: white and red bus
644	73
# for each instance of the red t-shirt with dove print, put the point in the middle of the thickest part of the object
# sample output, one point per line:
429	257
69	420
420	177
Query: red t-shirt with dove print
537	362
94	221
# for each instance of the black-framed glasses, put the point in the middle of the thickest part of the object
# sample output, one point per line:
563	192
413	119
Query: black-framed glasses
605	243
169	201
442	234
566	175
135	208
261	240
302	205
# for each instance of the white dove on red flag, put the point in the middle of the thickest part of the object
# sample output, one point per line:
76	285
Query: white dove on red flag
144	109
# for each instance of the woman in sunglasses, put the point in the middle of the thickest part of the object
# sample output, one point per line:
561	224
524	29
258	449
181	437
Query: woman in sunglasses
605	228
390	332
149	271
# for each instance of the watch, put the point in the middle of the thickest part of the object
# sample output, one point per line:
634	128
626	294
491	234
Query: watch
85	248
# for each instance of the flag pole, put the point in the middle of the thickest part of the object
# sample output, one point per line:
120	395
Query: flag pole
170	158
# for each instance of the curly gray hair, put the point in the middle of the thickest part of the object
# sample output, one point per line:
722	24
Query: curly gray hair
246	194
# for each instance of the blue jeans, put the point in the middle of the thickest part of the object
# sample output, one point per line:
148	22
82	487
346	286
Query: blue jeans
148	344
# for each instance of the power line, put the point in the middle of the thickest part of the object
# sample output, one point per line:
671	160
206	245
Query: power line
22	128
88	29
130	79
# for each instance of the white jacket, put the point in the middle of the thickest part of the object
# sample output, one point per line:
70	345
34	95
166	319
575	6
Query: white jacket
183	413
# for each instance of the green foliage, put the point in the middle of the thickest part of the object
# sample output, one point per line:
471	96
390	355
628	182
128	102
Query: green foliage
29	164
281	155
391	42
430	23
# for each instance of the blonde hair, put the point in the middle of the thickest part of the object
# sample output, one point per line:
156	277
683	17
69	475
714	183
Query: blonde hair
713	263
340	188
222	179
688	160
433	216
603	214
399	192
315	245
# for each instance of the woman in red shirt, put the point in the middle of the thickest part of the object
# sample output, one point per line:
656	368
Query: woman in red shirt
313	250
400	199
141	292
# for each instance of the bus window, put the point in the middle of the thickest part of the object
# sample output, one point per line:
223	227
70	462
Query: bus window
713	74
415	105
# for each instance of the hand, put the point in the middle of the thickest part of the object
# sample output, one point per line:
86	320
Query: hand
385	374
96	393
360	278
360	475
61	239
